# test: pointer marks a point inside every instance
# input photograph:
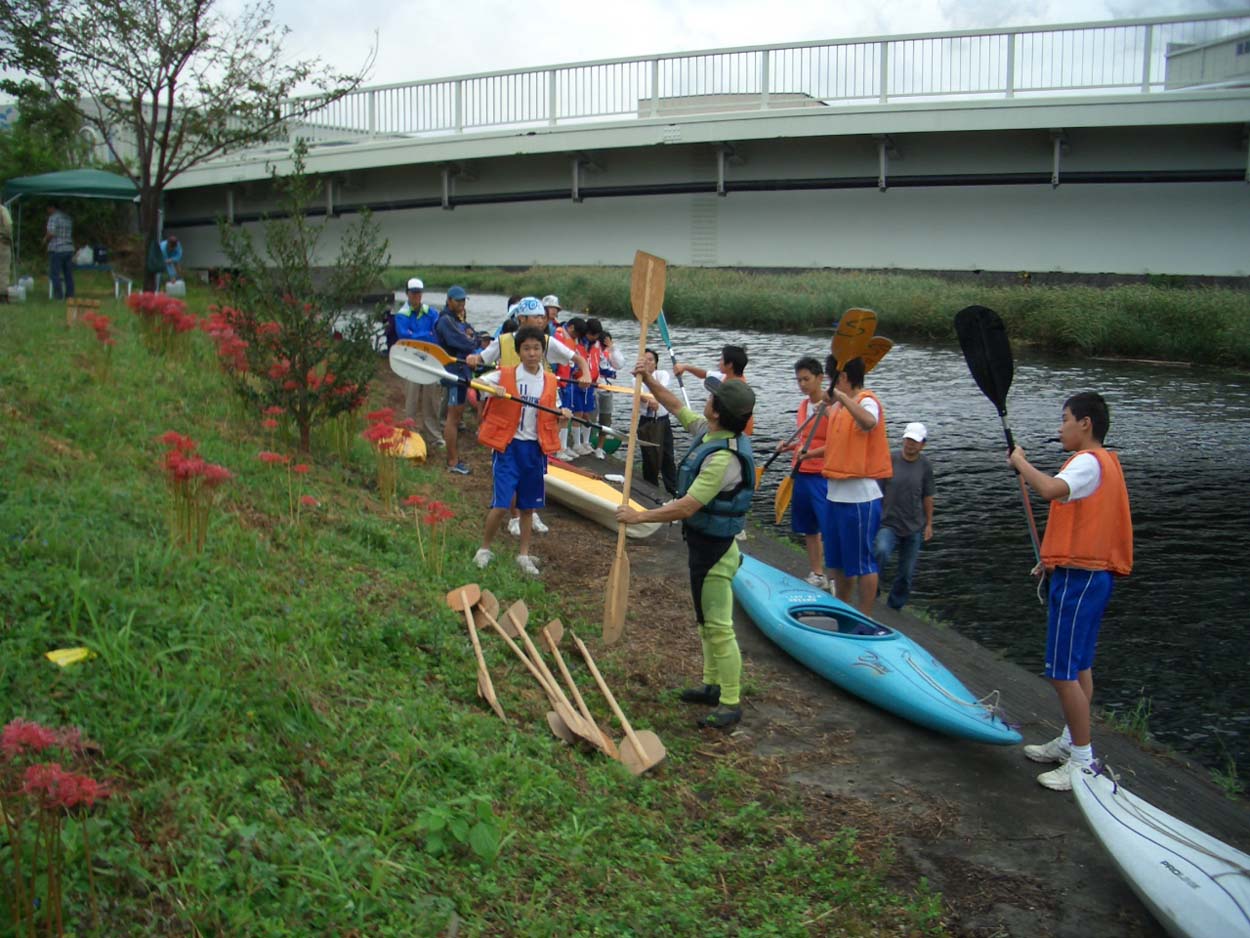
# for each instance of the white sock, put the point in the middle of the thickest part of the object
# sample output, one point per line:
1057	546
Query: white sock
584	435
564	438
1066	736
1082	755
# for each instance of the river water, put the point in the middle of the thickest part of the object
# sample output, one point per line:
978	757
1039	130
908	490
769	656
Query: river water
1175	634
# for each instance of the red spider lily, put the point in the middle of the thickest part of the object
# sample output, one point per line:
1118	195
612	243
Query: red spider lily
408	424
301	468
174	439
313	380
385	415
214	475
275	411
436	513
21	736
379	434
57	788
193	482
269	329
415	501
290	385
279	370
269	424
272	458
308	501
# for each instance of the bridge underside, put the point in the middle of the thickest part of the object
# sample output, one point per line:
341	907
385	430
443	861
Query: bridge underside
1083	188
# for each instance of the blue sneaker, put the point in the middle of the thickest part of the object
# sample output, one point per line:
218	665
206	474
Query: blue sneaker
459	469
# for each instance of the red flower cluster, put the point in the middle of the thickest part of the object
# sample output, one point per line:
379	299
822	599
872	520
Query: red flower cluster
436	513
23	736
185	467
272	459
219	325
163	310
308	501
101	325
415	501
55	787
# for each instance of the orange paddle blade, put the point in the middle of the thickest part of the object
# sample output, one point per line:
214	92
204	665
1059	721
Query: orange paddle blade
855	329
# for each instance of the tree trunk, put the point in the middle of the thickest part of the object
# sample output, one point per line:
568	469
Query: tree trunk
149	220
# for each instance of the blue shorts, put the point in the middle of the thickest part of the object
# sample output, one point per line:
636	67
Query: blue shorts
807	505
1078	598
849	530
457	395
518	471
578	400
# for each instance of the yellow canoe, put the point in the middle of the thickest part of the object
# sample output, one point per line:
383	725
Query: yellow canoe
594	498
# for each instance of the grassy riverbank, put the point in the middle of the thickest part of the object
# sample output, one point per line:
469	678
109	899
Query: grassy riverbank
289	718
1208	325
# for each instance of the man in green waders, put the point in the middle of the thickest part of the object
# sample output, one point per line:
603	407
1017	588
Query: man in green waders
715	482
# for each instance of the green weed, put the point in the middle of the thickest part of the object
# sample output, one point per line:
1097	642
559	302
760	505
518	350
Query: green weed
1133	722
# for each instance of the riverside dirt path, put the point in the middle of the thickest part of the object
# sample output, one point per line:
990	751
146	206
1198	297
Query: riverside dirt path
1008	857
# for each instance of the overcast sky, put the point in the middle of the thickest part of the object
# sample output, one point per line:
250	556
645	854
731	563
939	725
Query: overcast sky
430	40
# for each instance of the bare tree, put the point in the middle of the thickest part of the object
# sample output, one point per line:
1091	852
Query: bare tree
176	80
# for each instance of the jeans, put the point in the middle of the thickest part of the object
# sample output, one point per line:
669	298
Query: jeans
61	268
908	547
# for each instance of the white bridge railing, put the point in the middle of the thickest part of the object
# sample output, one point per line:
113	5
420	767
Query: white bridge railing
1122	56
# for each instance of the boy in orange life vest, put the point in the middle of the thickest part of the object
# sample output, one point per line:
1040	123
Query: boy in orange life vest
522	438
857	454
1088	542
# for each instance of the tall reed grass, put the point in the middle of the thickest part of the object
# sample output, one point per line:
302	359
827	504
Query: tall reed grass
1205	325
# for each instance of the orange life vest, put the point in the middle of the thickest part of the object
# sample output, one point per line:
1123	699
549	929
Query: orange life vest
1095	532
812	465
502	416
854	453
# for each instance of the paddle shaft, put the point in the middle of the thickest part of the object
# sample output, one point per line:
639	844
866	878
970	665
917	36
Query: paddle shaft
786	489
607	695
605	742
483	673
672	356
786	442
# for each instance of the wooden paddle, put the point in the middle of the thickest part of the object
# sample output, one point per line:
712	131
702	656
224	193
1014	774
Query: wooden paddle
987	350
639	751
785	491
463	600
567	723
552	633
855	330
874	351
646	297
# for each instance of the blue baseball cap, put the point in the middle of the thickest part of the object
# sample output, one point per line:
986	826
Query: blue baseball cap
456	293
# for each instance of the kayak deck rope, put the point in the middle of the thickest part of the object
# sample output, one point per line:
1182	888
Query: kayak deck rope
989	703
1101	768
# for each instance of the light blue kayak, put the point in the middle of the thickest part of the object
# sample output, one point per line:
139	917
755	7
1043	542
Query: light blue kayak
864	657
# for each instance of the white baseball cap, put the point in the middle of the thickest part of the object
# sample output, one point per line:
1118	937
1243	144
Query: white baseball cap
915	431
552	300
416	284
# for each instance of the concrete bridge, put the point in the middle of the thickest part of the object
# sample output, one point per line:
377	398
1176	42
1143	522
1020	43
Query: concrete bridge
1117	147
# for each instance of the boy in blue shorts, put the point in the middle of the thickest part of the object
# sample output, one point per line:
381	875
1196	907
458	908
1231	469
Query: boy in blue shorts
522	438
807	503
1088	542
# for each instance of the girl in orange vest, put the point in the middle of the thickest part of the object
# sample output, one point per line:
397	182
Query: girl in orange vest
1088	542
522	438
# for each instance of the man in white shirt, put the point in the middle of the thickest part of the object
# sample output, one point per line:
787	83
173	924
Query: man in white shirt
654	426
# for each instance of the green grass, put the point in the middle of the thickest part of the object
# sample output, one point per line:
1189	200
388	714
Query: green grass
1209	325
290	717
1133	722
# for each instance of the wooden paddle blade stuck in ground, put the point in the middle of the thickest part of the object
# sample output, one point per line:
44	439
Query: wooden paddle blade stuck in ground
646	297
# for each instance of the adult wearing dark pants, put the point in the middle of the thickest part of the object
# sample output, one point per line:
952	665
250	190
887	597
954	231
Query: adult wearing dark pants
458	339
59	239
906	513
416	320
714	489
655	427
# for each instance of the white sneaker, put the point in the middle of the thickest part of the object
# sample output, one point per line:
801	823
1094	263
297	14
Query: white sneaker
599	454
817	580
1054	751
514	527
740	536
583	449
483	557
1060	779
537	526
527	565
566	455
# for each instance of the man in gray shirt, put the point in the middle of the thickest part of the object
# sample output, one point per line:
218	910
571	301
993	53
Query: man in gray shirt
907	512
59	239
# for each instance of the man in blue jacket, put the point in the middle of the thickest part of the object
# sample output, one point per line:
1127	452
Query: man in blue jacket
422	402
458	339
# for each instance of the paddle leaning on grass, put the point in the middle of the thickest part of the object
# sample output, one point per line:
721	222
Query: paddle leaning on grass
715	483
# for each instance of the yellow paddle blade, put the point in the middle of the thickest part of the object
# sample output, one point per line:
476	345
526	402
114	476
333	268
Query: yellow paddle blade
64	657
781	501
876	350
646	286
855	329
436	352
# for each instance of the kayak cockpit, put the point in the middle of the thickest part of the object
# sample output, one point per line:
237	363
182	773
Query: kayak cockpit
828	620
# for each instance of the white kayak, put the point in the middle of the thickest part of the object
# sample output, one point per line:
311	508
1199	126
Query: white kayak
1195	885
594	498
